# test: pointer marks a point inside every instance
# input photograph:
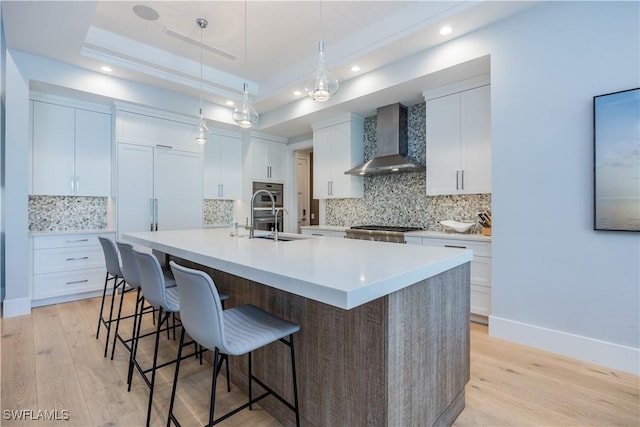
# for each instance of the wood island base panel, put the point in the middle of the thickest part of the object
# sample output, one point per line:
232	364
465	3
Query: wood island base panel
399	360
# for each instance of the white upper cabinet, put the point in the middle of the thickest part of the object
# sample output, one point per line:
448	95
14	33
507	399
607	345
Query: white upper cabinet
266	159
459	142
71	151
164	130
223	167
338	147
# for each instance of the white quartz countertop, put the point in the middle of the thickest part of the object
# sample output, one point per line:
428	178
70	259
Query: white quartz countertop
344	273
443	235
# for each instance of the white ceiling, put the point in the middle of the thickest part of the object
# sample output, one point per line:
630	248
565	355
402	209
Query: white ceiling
282	40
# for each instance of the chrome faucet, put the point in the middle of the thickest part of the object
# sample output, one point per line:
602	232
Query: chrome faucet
273	210
277	211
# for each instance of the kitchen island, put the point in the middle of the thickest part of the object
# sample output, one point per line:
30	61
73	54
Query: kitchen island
385	327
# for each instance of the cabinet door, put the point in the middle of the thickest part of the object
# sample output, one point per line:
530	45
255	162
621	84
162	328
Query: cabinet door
475	137
276	152
443	145
135	188
212	165
258	153
178	189
346	152
53	149
321	163
93	153
231	167
141	129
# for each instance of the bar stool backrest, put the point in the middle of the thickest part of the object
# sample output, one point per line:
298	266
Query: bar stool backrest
110	256
130	268
200	308
151	279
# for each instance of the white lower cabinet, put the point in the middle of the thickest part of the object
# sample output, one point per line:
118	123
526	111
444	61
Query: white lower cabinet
480	270
67	265
322	232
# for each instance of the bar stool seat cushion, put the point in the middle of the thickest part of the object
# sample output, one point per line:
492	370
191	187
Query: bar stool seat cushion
248	328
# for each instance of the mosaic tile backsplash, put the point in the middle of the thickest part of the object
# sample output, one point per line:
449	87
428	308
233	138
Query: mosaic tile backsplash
49	213
401	200
217	212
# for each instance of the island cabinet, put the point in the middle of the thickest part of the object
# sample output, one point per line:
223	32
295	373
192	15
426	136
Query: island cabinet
338	147
459	140
384	328
266	158
70	148
67	266
480	303
223	166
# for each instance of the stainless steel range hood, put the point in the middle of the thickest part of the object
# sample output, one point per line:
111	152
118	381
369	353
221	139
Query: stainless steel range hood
391	145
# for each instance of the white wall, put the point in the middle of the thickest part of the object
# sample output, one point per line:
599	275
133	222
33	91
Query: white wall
557	283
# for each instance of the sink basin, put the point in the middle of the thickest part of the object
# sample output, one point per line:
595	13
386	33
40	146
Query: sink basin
457	226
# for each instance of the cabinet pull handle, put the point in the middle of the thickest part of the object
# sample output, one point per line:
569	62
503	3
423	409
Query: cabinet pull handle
72	181
151	217
221	190
77	259
462	180
156	212
455	246
317	234
77	185
457	175
77	281
77	241
164	146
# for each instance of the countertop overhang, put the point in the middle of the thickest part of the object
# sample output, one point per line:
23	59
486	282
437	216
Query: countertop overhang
344	273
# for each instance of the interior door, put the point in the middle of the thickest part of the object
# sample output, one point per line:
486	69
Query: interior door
178	189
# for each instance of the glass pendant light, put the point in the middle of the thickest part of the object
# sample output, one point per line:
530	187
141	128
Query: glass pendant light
321	85
245	115
202	130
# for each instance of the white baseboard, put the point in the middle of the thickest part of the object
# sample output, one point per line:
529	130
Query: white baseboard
590	350
16	307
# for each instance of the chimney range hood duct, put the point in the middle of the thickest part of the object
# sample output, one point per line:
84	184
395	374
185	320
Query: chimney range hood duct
391	145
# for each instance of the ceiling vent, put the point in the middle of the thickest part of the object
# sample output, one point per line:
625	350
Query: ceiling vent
209	48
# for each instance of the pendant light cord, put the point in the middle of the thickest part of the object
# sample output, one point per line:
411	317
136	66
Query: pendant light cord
201	85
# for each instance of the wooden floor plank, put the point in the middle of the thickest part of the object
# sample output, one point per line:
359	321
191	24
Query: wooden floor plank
51	360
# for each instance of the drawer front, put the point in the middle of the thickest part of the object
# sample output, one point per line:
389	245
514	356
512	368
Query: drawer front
479	248
69	240
57	260
481	271
58	284
480	300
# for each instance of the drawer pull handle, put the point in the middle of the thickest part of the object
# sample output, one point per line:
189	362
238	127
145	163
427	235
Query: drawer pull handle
454	246
77	241
317	234
77	259
77	281
164	146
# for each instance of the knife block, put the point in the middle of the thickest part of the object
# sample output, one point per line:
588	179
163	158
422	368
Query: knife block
486	231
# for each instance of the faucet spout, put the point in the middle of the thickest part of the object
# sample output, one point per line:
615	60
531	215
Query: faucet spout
253	200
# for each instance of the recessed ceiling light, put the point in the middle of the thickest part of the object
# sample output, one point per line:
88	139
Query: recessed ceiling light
355	68
145	12
297	93
106	69
445	30
230	103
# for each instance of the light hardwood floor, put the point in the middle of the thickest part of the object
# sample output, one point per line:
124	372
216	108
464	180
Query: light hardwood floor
52	361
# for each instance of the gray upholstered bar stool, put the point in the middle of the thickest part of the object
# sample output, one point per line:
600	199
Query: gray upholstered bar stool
167	302
113	273
235	332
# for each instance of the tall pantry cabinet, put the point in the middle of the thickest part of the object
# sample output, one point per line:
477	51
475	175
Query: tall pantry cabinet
159	173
